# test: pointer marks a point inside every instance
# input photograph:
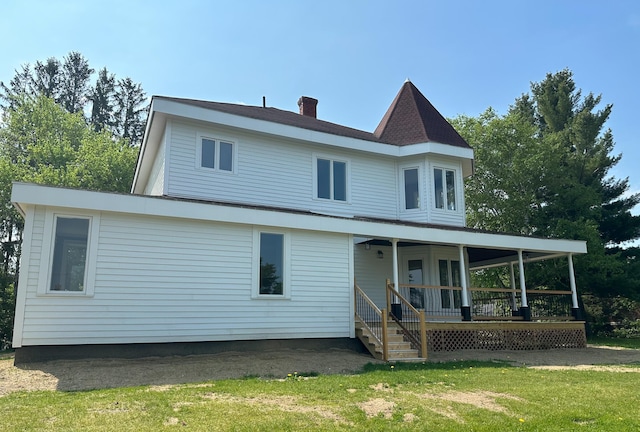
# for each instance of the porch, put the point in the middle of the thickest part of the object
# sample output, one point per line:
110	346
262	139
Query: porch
403	332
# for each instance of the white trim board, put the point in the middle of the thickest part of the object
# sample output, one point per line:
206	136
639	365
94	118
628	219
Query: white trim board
25	194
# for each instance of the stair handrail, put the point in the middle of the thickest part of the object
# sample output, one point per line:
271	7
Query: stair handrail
420	344
381	338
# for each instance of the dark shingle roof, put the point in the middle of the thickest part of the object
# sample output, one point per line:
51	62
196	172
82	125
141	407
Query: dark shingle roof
406	122
412	119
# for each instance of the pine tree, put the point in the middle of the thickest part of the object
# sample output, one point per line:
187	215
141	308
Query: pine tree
75	85
130	110
102	101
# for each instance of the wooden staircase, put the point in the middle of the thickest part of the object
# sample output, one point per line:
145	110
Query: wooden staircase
399	349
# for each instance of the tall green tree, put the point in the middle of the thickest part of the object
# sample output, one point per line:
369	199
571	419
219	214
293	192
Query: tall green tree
41	142
102	101
75	85
130	113
544	169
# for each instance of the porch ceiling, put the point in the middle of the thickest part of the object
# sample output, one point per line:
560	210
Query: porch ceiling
480	257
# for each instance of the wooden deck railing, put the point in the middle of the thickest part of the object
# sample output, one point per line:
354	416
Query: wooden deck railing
373	318
409	319
487	303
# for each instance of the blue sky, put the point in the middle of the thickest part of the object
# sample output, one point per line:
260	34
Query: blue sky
352	55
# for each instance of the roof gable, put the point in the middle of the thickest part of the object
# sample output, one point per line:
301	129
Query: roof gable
411	119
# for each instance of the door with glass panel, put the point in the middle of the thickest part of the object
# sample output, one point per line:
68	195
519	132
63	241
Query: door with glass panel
449	273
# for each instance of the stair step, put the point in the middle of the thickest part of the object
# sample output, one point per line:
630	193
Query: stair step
402	354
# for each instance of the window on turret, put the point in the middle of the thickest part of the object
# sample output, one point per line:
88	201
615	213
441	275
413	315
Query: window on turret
444	181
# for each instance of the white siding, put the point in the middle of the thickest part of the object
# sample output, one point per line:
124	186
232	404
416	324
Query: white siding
155	185
371	272
176	280
279	173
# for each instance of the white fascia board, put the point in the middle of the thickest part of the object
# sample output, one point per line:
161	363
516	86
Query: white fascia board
152	135
296	133
31	194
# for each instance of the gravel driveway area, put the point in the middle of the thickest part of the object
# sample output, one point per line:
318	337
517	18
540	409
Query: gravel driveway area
107	373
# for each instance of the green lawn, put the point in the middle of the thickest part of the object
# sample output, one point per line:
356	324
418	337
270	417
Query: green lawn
619	342
435	397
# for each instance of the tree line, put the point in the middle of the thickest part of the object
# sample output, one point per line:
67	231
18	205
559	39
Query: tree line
115	105
57	128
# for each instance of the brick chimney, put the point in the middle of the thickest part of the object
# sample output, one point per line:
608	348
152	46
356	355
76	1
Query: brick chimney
308	106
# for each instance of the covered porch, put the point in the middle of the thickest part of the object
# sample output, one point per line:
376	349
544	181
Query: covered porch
430	301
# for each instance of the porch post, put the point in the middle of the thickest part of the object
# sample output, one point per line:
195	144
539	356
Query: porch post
514	303
465	308
525	312
575	307
396	307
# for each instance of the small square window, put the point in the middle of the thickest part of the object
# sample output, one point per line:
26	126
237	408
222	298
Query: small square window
216	155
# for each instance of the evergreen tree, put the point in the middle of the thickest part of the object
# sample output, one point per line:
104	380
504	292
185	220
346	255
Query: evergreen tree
75	85
130	110
543	169
19	87
48	78
102	101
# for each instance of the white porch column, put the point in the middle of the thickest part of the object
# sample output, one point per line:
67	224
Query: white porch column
524	308
465	307
514	303
463	277
572	282
396	272
523	287
575	307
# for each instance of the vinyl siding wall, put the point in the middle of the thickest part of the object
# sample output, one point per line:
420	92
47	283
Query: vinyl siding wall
175	280
278	173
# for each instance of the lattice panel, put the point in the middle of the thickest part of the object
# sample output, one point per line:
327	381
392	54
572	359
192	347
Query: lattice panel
504	339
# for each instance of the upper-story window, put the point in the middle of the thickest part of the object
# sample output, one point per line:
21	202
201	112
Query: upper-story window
444	181
411	182
216	154
331	178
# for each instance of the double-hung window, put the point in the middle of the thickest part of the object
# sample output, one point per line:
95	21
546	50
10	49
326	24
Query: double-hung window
411	182
444	181
216	154
331	179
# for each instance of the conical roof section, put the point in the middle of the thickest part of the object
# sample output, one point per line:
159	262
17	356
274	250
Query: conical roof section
411	119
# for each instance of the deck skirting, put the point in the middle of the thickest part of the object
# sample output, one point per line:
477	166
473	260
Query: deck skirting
505	335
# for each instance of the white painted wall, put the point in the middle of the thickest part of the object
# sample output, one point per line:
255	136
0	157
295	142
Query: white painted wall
279	172
162	279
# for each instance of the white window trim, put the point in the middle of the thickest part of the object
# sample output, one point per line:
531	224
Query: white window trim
314	171
286	271
234	152
421	194
48	244
458	188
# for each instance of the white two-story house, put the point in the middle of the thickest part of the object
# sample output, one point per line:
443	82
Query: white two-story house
250	223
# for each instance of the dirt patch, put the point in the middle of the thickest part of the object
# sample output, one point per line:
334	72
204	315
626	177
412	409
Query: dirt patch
376	407
166	371
483	399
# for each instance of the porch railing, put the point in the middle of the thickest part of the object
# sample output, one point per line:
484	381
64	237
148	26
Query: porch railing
373	318
444	302
408	318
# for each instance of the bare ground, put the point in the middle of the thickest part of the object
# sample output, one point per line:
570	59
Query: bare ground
68	375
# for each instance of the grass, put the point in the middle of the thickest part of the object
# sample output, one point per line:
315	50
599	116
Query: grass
618	342
478	396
